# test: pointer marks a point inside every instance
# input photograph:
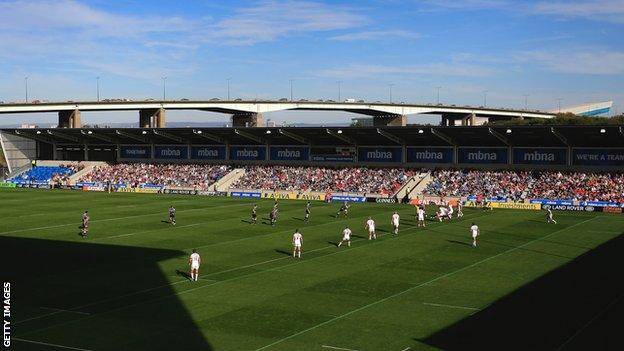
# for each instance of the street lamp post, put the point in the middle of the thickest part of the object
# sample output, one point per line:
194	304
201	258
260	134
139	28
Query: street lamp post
291	89
97	79
438	100
390	86
26	85
164	79
339	82
559	104
485	98
228	88
526	102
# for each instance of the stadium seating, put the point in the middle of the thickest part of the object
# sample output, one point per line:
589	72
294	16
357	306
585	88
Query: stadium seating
385	181
45	174
178	175
520	185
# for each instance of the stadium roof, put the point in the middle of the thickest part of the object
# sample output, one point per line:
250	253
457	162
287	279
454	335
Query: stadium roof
546	136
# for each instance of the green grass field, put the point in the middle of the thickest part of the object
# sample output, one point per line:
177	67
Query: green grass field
528	286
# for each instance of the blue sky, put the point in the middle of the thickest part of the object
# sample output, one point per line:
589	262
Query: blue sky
573	50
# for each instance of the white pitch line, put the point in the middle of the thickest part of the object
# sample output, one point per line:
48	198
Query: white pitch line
405	349
116	218
148	231
450	306
186	280
440	277
337	348
62	310
53	345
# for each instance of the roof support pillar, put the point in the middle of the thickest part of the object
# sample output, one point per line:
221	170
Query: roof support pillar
69	119
390	120
152	118
247	119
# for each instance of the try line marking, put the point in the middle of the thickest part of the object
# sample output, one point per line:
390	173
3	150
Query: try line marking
374	303
336	348
53	345
62	310
450	306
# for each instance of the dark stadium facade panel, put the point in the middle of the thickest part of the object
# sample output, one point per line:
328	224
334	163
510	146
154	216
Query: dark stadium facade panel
534	147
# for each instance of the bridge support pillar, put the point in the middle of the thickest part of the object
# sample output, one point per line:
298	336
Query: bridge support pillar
390	120
448	120
152	118
249	119
69	119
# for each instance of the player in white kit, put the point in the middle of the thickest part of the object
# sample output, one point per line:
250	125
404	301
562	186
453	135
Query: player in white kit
370	225
421	217
474	230
194	262
297	241
549	217
395	223
442	213
450	211
460	213
346	237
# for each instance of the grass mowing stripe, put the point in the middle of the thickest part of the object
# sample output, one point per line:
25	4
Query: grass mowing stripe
53	345
222	242
419	285
206	285
115	219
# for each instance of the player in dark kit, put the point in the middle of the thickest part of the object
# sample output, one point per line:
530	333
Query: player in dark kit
172	212
344	209
307	212
273	216
254	214
84	228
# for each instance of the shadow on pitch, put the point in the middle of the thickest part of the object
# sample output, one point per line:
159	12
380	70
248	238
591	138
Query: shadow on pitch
113	284
459	242
186	275
578	306
283	252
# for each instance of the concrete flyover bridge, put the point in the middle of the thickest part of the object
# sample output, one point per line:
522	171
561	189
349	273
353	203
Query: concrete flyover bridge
249	113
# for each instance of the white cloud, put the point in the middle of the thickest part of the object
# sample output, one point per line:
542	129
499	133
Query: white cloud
68	33
270	20
584	62
377	35
601	10
440	69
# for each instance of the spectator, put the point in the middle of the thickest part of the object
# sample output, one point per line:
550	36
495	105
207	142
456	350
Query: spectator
384	181
135	174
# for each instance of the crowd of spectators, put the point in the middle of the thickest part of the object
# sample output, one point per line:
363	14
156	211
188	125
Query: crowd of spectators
579	186
491	184
519	185
353	180
67	171
180	175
